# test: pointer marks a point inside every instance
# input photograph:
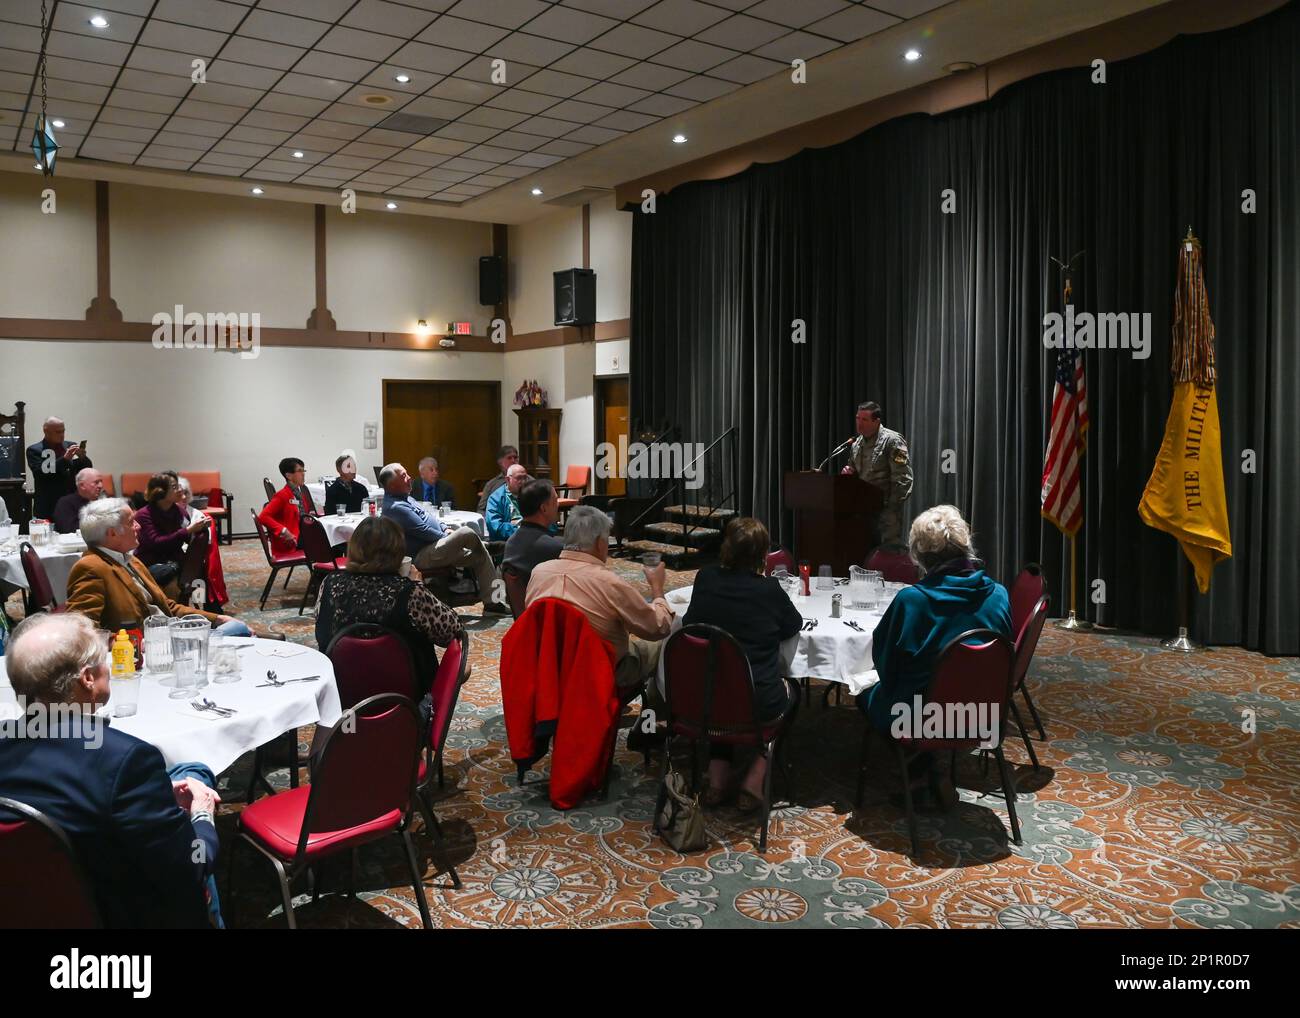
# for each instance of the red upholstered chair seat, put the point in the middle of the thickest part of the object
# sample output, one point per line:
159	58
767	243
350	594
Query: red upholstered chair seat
275	822
328	567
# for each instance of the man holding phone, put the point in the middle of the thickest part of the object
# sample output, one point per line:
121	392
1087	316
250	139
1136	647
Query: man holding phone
54	464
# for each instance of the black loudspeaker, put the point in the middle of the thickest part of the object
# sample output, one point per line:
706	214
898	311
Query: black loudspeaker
575	297
491	279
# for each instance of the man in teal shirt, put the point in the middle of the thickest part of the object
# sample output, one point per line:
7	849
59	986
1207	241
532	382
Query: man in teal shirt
503	515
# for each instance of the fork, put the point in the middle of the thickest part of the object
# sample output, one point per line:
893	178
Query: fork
210	707
271	678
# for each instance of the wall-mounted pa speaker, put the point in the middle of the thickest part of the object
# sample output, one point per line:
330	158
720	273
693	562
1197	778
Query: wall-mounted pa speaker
575	297
491	279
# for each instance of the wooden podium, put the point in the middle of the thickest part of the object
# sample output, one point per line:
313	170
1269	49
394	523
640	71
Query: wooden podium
833	518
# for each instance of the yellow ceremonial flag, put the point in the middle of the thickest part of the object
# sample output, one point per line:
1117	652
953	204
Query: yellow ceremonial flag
1185	496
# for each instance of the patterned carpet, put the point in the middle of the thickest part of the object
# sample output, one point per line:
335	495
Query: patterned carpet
1153	809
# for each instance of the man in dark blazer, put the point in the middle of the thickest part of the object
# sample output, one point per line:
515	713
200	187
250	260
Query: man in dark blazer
147	843
431	488
54	464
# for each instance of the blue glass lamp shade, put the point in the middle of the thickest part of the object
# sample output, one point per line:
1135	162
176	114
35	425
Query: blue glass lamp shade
45	147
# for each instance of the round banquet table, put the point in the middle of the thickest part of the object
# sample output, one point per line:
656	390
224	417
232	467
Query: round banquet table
318	493
339	528
833	650
58	557
184	734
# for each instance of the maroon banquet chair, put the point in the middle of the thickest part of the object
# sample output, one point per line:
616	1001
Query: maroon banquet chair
710	693
194	566
893	565
276	560
269	488
780	557
453	672
318	555
370	660
362	790
40	593
974	668
42	885
1026	644
1025	592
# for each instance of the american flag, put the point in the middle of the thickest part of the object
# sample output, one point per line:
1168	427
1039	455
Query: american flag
1061	496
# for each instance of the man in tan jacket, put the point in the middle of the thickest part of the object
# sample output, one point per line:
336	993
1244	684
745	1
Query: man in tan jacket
111	587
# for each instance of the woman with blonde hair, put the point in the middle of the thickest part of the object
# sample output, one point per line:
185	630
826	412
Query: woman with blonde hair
954	596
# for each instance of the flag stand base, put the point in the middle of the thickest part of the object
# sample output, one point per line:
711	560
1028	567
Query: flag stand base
1074	623
1182	642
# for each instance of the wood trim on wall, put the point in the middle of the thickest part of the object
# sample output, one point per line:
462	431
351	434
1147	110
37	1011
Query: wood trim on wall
103	308
1115	40
320	318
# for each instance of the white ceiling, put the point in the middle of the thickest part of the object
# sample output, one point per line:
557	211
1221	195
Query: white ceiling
594	89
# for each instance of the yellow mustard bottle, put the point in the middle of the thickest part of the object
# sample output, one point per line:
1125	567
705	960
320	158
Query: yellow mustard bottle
123	655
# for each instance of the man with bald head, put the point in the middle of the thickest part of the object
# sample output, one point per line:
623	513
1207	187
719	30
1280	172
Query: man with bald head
503	515
67	511
54	464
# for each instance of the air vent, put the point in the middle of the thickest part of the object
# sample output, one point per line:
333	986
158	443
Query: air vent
412	124
582	196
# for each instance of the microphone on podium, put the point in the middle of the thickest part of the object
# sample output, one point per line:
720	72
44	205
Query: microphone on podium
837	450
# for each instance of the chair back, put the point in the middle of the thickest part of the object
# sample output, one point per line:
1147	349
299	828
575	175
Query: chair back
972	671
216	498
134	483
453	670
516	589
109	490
780	557
264	537
42	885
269	488
366	769
313	542
893	565
194	566
1025	592
370	660
308	503
708	683
377	470
577	478
40	591
1027	639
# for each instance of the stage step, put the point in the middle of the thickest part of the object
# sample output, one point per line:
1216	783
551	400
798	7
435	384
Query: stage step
697	537
674	555
718	517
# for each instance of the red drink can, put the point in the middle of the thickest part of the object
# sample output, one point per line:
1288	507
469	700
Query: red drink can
805	570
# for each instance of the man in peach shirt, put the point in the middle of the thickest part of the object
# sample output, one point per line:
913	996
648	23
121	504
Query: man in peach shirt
615	608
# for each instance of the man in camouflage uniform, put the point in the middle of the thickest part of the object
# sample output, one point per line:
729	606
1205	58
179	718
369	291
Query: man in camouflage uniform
879	457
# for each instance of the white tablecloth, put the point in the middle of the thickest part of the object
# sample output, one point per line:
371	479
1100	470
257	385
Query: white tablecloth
833	651
318	492
183	734
58	557
339	528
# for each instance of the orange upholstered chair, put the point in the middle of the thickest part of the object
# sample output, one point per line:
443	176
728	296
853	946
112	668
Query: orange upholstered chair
576	479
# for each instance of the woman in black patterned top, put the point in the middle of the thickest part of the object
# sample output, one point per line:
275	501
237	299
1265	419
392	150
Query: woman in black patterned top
373	590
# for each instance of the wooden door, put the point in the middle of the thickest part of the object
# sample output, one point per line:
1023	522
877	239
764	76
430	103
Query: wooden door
457	423
612	410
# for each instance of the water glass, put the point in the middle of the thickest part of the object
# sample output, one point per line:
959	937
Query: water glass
124	694
190	637
825	581
5	530
223	659
444	509
651	559
157	645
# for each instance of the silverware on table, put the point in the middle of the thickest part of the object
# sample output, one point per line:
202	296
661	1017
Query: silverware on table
211	708
285	682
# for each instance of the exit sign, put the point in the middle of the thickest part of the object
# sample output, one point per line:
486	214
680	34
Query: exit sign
458	328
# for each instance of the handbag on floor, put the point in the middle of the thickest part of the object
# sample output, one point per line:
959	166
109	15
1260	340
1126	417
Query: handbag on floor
680	818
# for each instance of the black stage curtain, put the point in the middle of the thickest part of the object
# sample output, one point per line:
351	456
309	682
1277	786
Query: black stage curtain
939	316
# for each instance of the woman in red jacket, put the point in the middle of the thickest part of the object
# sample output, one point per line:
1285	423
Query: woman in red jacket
280	515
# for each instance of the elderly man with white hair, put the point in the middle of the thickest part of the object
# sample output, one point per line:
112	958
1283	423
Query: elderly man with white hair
67	511
615	608
144	836
54	464
110	586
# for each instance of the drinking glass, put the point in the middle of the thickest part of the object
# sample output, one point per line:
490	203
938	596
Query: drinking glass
124	694
190	637
444	509
825	581
157	645
5	528
223	659
651	559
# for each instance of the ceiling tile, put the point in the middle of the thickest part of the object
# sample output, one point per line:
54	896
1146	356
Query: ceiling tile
609	94
260	135
685	17
662	105
796	13
311	86
594	135
260	53
702	89
256	174
529	49
74	91
129	100
164	164
569	25
293	167
334	65
203	128
182	39
121	133
505	13
161	61
140	7
354	43
481	69
523	102
457	33
855	23
174	152
297	105
384	78
633	41
243	148
907	8
23	63
356	96
229	160
489	180
466	132
442	146
513	172
392	139
135	118
232	73
213	14
742	32
345	113
548	127
349	162
694	56
113	151
592	63
75	18
472	165
417	159
209	111
519	141
563	147
652	77
309	158
180	139
463	90
556	83
372	152
578	112
231	95
746	69
325	10
393	19
382	179
421	56
625	120
536	160
329	181
797	45
79	47
77	70
491	154
151	81
469	190
282	28
208	166
486	116
431	106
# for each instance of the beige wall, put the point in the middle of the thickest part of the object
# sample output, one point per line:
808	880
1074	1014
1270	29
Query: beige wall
538	250
47	261
611	257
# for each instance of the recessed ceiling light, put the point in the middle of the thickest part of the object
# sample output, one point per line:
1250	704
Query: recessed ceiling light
679	139
402	79
298	155
391	205
912	54
58	123
537	191
99	21
258	190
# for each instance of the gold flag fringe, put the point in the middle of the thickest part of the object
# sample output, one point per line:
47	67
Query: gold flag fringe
1192	350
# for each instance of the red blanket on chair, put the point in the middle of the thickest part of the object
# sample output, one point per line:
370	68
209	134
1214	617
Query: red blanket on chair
557	676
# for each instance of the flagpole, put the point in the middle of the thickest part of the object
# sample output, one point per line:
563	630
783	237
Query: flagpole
1072	621
1182	641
